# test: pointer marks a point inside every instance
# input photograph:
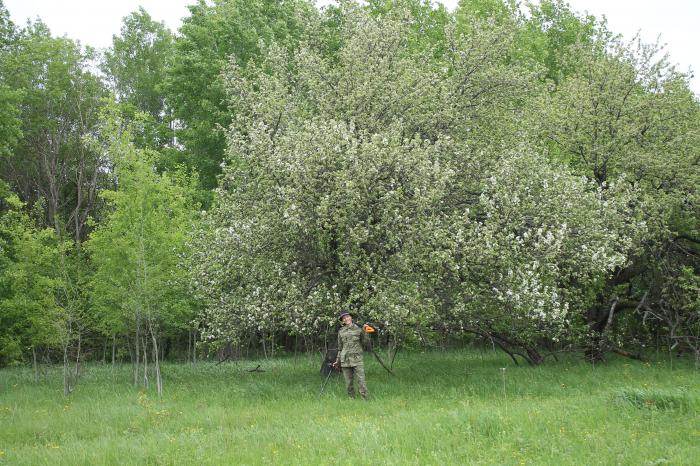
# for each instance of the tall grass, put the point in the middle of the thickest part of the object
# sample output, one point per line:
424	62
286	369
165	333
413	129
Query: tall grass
456	407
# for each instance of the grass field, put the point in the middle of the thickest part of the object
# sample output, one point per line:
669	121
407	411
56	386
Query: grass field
456	407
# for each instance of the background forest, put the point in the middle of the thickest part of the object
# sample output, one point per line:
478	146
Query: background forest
500	174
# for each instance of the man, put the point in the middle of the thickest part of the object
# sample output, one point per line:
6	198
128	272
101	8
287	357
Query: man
351	339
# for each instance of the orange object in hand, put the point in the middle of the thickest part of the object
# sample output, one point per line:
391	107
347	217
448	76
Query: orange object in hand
368	328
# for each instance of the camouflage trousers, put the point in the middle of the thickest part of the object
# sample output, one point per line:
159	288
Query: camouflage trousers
356	372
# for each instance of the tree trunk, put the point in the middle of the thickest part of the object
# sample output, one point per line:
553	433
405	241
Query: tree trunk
189	346
114	348
77	359
137	352
66	382
296	348
154	338
194	347
511	346
104	351
145	365
35	365
535	357
264	346
132	356
394	350
600	322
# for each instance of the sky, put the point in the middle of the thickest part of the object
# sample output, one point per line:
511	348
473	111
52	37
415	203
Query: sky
93	22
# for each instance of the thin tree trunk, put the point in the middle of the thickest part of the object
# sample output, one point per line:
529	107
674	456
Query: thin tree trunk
394	349
189	346
264	346
137	352
194	347
79	197
296	347
104	352
159	381
132	357
77	359
66	383
114	348
145	365
66	367
35	365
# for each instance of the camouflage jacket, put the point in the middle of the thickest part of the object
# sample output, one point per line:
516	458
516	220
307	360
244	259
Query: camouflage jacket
350	343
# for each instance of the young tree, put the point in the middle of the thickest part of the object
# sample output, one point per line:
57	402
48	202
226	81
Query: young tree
138	281
29	313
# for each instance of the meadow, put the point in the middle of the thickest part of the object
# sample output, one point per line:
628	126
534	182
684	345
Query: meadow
452	407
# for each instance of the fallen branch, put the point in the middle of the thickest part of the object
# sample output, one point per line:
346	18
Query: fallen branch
382	362
224	360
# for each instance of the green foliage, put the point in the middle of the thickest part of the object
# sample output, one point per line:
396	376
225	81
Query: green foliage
136	250
10	124
624	112
551	29
392	181
628	116
57	99
518	176
212	35
10	131
426	23
29	312
136	66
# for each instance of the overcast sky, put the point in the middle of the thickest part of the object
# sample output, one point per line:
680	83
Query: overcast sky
93	22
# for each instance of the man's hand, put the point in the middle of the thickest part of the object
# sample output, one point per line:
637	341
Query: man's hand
334	365
368	328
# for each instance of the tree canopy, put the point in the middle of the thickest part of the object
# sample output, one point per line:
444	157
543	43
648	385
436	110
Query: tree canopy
517	175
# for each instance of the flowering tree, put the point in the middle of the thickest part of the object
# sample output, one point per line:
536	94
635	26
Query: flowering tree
373	181
625	115
523	264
